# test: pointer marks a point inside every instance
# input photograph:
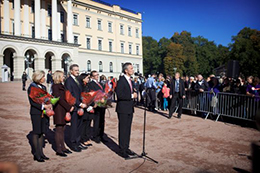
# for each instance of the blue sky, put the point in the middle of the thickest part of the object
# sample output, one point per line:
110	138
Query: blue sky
216	20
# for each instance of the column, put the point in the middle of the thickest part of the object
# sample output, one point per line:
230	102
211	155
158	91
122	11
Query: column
54	20
43	21
58	24
18	66
56	63
26	18
1	63
37	18
39	63
6	17
17	18
69	22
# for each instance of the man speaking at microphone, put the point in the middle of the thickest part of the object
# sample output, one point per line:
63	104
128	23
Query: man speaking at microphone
125	109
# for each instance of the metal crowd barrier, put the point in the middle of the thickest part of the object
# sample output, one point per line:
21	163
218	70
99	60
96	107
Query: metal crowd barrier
222	104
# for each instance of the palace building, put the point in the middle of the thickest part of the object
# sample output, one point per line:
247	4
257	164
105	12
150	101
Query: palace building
52	34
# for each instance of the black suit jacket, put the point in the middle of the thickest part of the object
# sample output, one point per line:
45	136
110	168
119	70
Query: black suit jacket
125	104
35	107
93	86
181	87
74	89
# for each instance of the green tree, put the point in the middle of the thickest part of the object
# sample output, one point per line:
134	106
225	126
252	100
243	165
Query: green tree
246	49
162	51
151	59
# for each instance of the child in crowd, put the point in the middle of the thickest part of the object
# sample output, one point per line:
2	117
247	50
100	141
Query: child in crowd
166	94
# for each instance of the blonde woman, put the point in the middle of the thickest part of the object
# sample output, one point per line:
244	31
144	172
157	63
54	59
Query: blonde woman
39	122
60	109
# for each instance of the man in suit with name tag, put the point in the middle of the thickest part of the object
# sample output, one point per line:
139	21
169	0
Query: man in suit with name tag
125	109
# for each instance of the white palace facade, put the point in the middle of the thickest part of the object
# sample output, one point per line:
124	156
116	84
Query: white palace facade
52	34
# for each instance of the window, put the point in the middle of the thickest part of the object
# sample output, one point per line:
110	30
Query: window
88	43
12	1
88	22
75	19
99	25
62	16
109	27
33	32
137	33
49	10
122	29
129	31
110	46
76	39
130	49
100	66
13	26
89	66
99	44
111	67
137	50
49	34
32	7
122	47
137	68
62	37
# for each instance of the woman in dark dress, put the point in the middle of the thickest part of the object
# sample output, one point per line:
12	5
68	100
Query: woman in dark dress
37	118
60	109
87	117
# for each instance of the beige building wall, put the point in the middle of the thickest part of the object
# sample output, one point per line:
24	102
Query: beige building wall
95	11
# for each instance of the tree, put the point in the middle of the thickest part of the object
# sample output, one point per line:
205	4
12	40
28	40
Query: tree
174	58
246	49
162	51
190	62
151	60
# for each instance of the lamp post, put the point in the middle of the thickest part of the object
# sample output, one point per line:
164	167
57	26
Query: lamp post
28	61
67	61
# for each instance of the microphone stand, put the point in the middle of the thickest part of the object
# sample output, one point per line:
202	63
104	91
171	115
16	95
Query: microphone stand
143	155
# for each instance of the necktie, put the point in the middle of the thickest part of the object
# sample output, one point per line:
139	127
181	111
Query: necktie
130	83
99	85
76	81
177	86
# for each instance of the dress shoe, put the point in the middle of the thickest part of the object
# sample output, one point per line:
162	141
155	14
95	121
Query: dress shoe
129	152
61	154
123	154
82	147
39	159
104	140
45	157
67	151
87	143
76	149
179	116
97	140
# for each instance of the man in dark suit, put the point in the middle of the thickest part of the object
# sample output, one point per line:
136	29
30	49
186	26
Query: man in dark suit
177	93
99	117
125	109
73	85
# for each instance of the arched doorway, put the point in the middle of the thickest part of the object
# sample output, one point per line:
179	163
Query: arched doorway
9	60
65	62
48	60
29	61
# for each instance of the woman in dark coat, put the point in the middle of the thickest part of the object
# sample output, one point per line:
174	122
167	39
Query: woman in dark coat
87	117
60	109
37	117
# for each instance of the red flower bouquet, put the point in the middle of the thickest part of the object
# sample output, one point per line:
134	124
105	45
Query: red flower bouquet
41	96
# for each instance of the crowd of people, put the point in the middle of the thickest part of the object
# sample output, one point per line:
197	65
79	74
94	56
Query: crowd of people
154	91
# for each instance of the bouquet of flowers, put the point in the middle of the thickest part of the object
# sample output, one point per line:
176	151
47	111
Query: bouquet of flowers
71	101
41	96
88	98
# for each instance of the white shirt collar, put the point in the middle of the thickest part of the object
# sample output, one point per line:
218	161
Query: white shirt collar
127	77
73	76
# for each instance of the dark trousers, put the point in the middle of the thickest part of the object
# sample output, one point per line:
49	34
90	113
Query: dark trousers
96	121
86	128
76	124
176	97
102	122
24	82
124	130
